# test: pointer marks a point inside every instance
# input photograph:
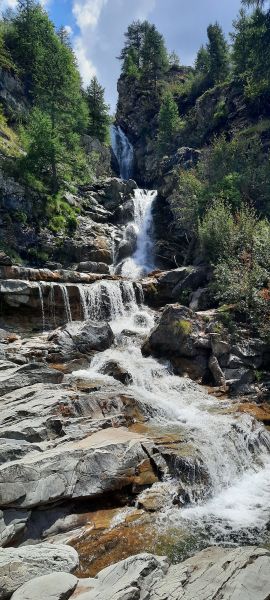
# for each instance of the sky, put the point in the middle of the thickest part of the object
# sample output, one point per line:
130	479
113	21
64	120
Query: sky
97	29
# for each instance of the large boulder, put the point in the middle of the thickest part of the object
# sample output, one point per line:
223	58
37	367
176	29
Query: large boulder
19	565
78	338
175	334
57	586
227	574
73	470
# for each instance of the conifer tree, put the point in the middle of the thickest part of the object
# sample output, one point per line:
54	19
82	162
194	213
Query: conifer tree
99	118
202	62
135	37
155	60
218	54
168	121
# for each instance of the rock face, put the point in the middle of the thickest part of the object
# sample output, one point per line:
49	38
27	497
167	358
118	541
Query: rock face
57	586
19	565
76	339
20	377
72	470
238	574
165	287
12	95
137	113
198	345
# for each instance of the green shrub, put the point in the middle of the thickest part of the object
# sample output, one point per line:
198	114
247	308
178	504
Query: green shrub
216	231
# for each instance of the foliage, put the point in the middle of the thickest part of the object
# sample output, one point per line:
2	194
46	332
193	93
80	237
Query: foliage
144	54
6	61
61	216
251	56
216	231
218	54
173	59
236	171
239	246
202	62
51	157
47	64
99	118
169	122
9	142
184	203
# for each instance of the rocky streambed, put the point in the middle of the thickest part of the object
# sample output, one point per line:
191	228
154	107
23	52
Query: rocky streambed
111	445
105	453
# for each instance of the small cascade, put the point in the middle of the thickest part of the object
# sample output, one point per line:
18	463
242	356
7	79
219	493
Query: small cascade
66	302
40	291
109	300
123	151
51	303
142	261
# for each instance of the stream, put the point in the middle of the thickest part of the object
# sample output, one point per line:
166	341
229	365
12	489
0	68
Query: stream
230	502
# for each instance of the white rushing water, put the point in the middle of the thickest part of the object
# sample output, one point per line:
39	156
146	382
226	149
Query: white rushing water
232	501
142	261
123	151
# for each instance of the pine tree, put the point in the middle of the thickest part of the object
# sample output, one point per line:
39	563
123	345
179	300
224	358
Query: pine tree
202	62
30	32
130	66
168	121
155	62
99	118
135	37
251	55
144	54
218	54
53	84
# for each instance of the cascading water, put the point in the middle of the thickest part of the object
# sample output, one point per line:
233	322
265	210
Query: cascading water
231	449
142	261
40	292
123	151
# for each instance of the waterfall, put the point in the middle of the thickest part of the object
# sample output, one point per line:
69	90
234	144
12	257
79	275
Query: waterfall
40	291
108	300
66	302
123	151
142	261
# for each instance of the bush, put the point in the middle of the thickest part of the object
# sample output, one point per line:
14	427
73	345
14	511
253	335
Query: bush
217	231
185	202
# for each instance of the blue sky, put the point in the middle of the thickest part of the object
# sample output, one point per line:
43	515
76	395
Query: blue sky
97	29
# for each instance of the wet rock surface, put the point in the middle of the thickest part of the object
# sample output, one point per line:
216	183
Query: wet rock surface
76	339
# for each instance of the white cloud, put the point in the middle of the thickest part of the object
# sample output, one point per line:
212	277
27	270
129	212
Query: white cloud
102	24
87	12
68	29
87	69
